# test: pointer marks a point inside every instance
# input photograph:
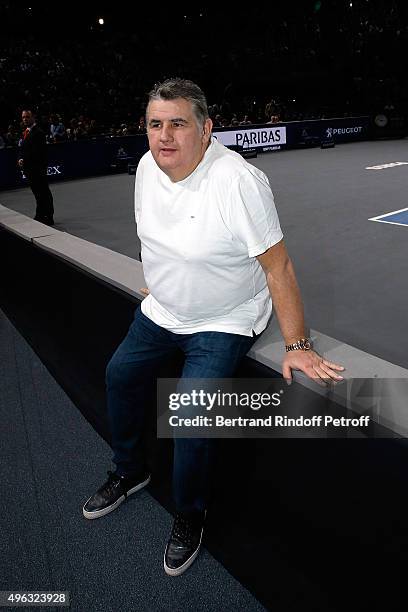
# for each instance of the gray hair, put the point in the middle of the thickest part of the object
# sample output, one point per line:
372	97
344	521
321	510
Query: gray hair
170	89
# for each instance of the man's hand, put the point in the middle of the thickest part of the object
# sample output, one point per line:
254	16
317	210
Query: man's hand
144	290
313	365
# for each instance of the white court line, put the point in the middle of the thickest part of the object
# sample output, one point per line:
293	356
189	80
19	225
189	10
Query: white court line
384	166
380	218
389	222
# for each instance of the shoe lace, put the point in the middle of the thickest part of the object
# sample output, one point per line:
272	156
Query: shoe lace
183	529
112	482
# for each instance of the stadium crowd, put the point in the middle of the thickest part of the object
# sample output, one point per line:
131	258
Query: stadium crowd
307	60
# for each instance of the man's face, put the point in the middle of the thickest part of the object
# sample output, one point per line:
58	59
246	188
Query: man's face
27	118
176	140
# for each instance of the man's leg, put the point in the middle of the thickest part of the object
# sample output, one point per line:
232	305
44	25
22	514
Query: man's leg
208	355
129	379
33	183
43	196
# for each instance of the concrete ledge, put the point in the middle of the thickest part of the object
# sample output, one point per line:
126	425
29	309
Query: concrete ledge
270	350
23	226
119	270
372	384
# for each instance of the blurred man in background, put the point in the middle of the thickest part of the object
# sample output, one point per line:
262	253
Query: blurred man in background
33	163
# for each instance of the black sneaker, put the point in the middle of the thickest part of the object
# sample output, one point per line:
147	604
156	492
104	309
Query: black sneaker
46	220
184	543
111	494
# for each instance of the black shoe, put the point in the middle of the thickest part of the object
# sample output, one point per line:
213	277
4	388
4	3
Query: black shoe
45	220
184	543
111	494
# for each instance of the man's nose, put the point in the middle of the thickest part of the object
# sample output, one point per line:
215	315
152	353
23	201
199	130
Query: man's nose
166	133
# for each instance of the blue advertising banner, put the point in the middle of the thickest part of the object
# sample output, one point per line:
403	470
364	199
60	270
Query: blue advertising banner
105	155
77	159
272	137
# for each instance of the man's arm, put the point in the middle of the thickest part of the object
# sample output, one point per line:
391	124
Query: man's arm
37	148
288	306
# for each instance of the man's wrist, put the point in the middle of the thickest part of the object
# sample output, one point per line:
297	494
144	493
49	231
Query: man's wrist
301	344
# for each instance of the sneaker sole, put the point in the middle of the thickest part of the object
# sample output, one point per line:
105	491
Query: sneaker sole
98	513
180	570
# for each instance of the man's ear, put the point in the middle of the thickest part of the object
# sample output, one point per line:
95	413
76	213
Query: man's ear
207	128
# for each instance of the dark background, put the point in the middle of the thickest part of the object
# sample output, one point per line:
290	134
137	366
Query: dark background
313	59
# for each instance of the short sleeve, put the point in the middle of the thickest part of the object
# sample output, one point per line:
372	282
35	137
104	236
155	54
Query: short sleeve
253	219
138	191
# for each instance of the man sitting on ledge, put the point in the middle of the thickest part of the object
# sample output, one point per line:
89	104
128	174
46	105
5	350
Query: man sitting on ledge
213	257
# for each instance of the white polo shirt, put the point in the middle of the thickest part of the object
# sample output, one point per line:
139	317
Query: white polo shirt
200	238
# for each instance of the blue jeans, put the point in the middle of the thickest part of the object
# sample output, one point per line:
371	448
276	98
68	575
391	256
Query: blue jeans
133	366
